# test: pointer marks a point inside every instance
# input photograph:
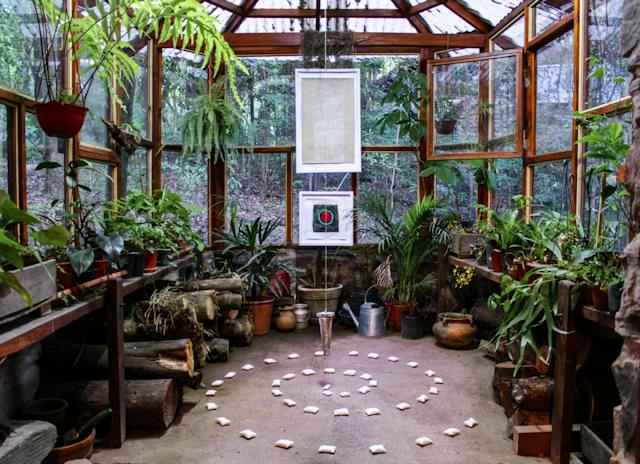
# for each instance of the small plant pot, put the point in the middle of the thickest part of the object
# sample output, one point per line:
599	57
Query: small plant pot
600	300
614	296
301	314
62	120
522	270
100	267
454	330
262	310
164	257
585	296
395	316
496	260
134	264
150	261
64	275
286	321
513	272
82	449
411	327
446	126
50	410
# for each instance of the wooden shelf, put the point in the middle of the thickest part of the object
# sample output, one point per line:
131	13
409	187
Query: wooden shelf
482	271
602	318
28	330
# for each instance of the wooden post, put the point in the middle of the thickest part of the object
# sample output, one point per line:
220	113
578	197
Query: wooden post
115	344
442	277
565	376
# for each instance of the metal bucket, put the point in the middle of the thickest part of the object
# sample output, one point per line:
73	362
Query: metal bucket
371	322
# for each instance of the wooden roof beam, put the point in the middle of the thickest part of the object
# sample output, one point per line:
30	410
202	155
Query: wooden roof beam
417	22
226	5
463	12
235	21
424	6
334	13
504	22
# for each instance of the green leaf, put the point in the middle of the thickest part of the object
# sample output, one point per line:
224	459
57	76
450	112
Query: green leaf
57	236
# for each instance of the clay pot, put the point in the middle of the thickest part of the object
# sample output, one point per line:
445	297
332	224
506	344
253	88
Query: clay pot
64	274
394	321
62	120
100	267
445	126
286	321
320	299
599	298
150	261
262	310
82	449
45	409
496	261
454	330
301	314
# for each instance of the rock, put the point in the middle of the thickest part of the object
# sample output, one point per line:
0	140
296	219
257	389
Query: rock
27	441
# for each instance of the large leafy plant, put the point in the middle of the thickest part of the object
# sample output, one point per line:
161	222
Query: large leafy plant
100	38
13	254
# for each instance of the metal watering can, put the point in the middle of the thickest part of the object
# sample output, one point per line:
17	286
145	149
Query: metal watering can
372	321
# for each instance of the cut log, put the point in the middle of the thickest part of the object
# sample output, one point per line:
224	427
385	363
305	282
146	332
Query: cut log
218	350
534	393
149	403
503	373
239	331
532	440
142	360
204	302
228	284
524	417
229	301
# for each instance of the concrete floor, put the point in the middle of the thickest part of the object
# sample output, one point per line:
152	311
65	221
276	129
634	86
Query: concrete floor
248	403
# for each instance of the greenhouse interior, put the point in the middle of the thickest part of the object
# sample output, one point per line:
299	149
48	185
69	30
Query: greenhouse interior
439	262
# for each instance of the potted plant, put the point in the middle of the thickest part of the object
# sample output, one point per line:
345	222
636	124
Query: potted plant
410	243
447	112
248	252
23	274
319	288
107	57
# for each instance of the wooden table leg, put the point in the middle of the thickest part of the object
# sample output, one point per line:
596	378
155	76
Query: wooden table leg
115	345
442	278
565	378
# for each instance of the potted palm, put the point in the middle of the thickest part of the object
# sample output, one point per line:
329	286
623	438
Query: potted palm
89	38
247	251
410	243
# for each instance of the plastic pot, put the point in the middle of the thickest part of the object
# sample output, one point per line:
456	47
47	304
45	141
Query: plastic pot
164	257
614	295
45	409
411	327
134	264
395	316
150	261
62	120
262	310
599	298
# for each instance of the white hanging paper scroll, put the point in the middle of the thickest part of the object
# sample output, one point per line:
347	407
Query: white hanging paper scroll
328	120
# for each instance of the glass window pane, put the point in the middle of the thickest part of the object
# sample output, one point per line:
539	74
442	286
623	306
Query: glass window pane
551	186
461	197
136	97
182	80
394	175
325	182
608	75
189	178
99	179
554	96
46	185
5	148
137	172
256	188
547	12
465	122
94	132
512	37
507	182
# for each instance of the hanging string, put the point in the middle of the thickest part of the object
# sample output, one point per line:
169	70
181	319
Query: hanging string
326	250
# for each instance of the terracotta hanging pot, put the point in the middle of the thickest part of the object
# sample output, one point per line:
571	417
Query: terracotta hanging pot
62	120
445	126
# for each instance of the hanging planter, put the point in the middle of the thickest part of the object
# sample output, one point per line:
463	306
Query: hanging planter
446	126
62	120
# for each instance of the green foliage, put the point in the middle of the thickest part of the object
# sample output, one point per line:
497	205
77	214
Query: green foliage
214	125
247	252
100	37
411	242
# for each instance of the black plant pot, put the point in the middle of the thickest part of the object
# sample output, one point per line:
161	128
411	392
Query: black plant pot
614	295
86	276
164	255
411	327
487	254
134	264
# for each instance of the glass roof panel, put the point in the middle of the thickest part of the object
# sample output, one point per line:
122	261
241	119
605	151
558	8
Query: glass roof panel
332	4
444	21
220	14
389	25
490	10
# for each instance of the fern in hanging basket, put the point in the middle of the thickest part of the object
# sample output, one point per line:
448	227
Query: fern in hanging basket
214	125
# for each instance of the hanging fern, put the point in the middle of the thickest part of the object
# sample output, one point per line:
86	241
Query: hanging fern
214	125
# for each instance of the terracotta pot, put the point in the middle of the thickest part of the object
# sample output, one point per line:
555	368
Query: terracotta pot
64	275
62	120
286	321
394	321
513	272
262	310
82	449
445	126
150	261
496	261
454	330
100	267
599	298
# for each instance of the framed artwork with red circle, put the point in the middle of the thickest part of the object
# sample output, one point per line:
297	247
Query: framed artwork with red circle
326	219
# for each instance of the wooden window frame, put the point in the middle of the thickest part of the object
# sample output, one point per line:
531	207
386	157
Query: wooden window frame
487	56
